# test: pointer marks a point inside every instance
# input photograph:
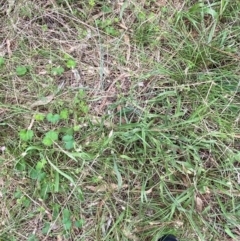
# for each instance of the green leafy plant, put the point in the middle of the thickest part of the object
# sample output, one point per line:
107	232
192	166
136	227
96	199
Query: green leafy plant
57	70
53	118
39	117
26	135
21	165
76	128
41	164
49	138
68	141
66	215
79	223
106	9
44	27
21	70
81	94
91	3
80	102
46	228
107	25
37	174
64	114
71	64
84	107
21	199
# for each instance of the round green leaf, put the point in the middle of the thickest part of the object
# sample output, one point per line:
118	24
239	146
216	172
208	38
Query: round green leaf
47	141
69	145
67	224
64	114
52	135
21	70
67	138
53	118
39	117
71	63
26	135
49	138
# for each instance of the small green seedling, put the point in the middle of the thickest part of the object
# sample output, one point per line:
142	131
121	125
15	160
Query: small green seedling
76	128
37	174
44	27
106	9
49	138
91	3
21	70
26	135
80	102
40	164
64	114
71	64
46	228
53	118
21	199
83	107
107	25
67	223
68	141
57	70
21	165
39	117
79	223
81	94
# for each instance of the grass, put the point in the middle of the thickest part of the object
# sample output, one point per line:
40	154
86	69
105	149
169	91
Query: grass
119	121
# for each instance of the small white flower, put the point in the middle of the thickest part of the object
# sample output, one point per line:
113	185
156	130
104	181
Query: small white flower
3	148
24	154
